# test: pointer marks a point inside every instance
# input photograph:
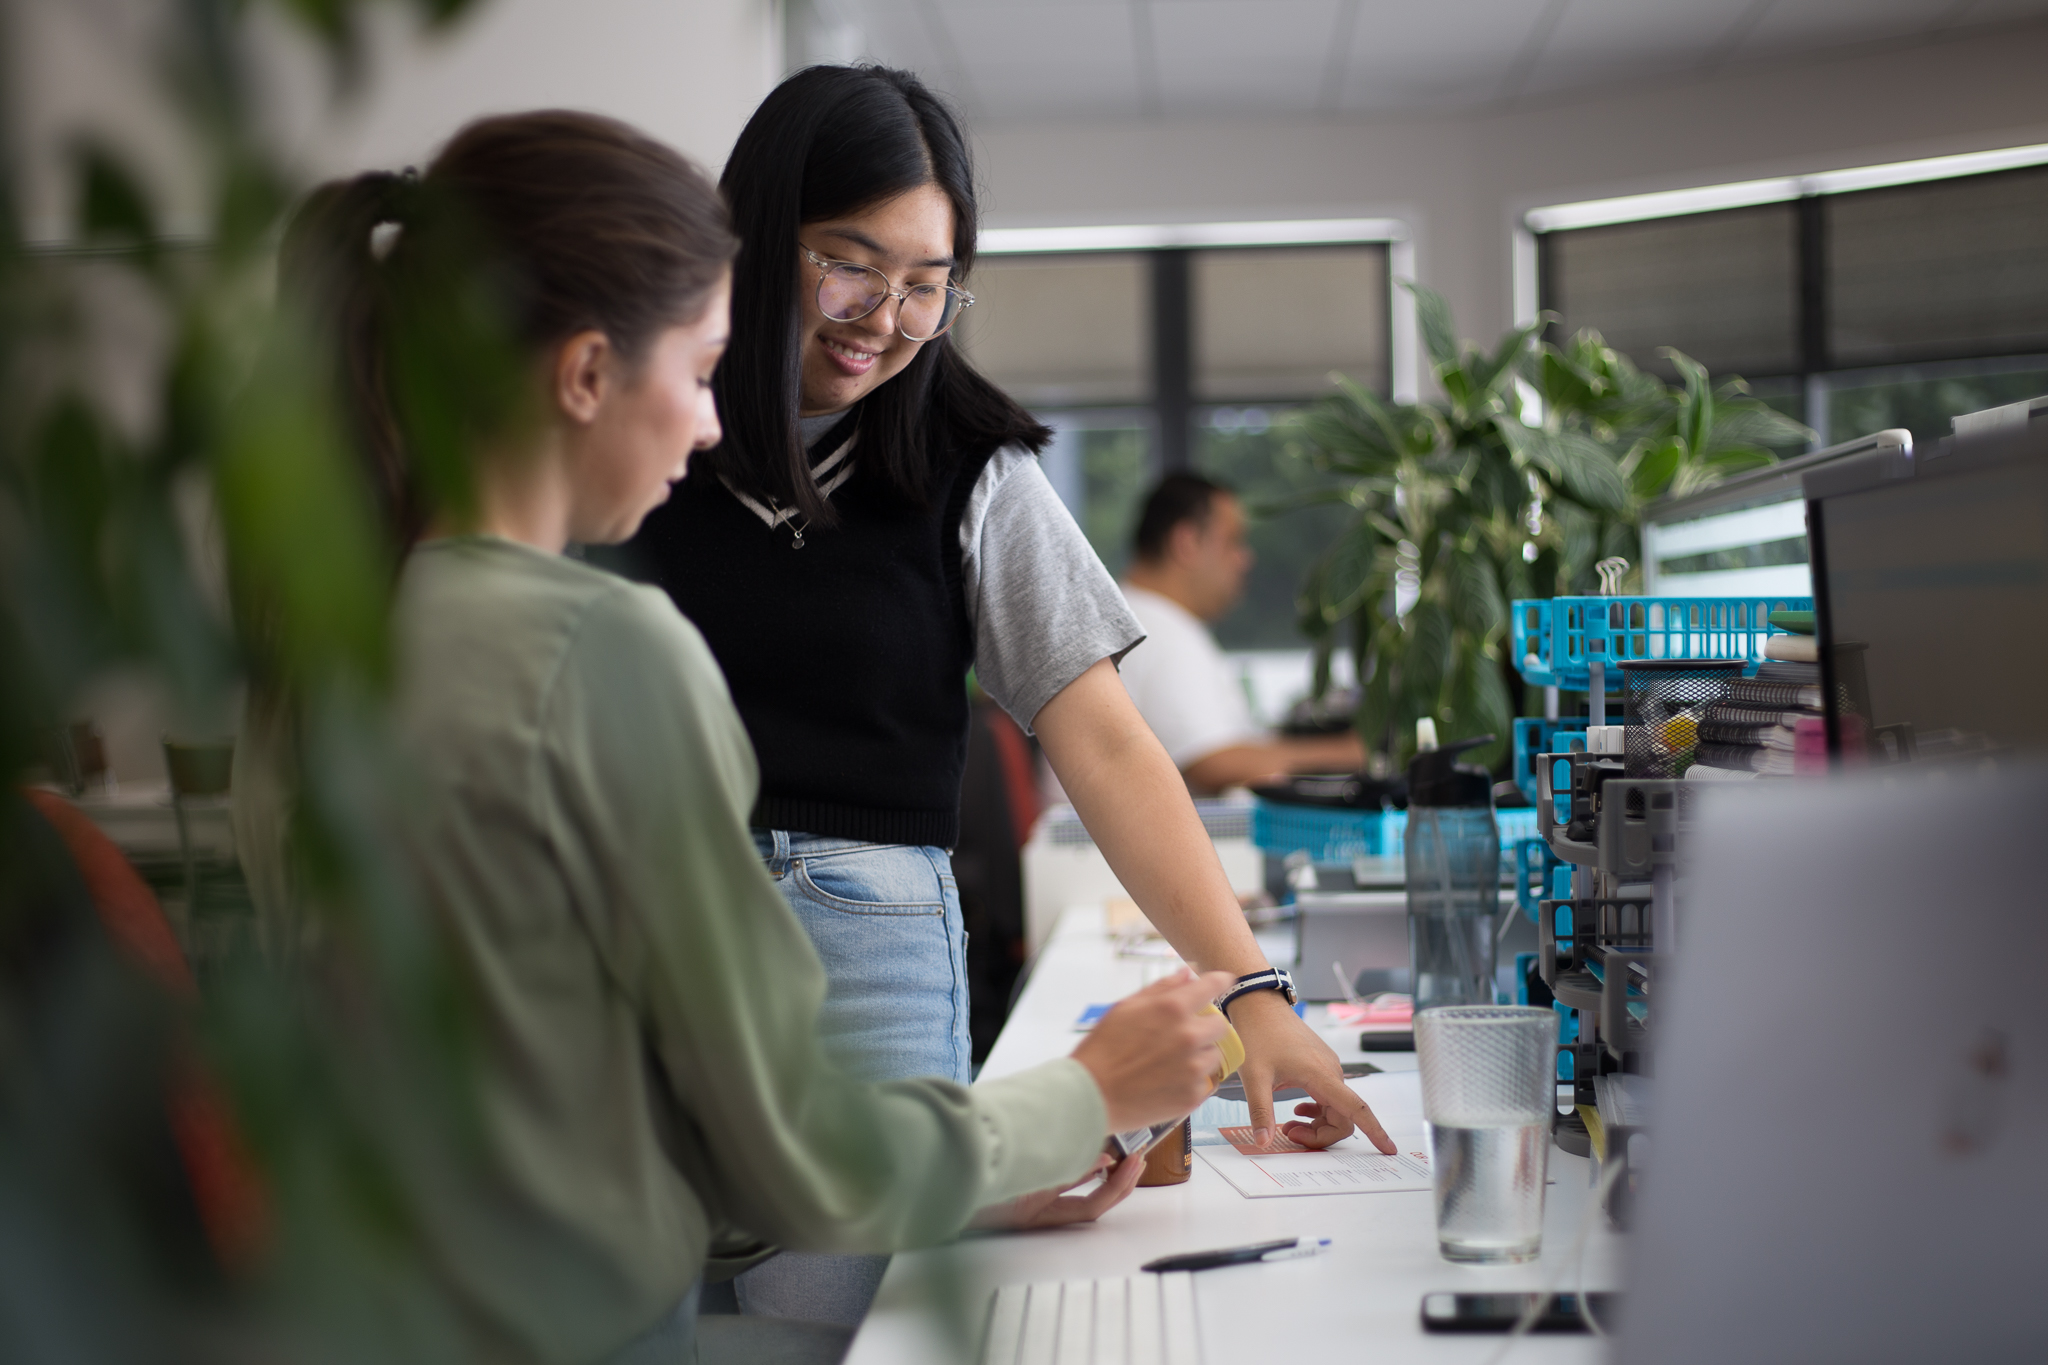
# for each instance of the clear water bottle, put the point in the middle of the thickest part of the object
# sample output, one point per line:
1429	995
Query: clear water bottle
1453	857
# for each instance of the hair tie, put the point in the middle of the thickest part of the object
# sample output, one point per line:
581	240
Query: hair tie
401	192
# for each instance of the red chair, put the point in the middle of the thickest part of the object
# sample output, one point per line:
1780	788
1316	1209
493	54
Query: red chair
224	1182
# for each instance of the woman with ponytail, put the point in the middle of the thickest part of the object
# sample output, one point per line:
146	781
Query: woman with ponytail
526	337
875	524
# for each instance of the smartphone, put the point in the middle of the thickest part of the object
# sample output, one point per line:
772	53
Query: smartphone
1233	1089
1500	1312
1138	1141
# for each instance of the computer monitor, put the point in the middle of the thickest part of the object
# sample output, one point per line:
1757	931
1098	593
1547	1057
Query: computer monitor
1931	591
1745	537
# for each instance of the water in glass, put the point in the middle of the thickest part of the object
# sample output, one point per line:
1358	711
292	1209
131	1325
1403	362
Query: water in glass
1489	1191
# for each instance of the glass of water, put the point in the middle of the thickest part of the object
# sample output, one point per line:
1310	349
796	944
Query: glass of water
1489	1088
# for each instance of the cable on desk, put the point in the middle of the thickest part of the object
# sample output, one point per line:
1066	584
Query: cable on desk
1610	1171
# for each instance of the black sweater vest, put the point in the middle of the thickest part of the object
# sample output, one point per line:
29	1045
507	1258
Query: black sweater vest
847	658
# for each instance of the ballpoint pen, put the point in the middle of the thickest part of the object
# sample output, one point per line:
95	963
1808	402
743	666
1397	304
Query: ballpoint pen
1286	1249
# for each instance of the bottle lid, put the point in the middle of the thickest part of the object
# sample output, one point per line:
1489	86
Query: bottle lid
1436	778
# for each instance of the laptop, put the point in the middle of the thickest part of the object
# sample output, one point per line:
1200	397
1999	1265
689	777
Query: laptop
1852	1076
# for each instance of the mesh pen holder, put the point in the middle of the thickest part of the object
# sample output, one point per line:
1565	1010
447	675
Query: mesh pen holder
1665	701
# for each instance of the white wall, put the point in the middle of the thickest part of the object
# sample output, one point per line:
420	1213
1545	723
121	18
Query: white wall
687	71
1460	182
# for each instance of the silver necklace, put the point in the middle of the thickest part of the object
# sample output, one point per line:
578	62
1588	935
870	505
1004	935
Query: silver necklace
796	527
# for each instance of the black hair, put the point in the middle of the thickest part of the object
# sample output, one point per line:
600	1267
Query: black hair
830	141
527	229
1174	499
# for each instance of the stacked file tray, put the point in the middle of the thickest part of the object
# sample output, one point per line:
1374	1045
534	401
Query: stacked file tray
1535	736
1599	930
1557	640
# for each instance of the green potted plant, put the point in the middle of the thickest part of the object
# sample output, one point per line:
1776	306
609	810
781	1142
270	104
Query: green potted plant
1465	503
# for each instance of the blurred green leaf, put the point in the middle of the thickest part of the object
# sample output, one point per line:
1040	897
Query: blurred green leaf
1439	336
253	199
1655	469
112	205
300	529
1350	572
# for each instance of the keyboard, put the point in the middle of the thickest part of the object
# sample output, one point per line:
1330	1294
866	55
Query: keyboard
1140	1320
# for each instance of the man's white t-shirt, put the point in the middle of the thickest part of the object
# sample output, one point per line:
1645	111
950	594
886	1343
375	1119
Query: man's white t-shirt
1182	684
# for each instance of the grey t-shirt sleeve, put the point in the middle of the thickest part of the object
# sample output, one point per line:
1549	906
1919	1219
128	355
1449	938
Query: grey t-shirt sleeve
1043	608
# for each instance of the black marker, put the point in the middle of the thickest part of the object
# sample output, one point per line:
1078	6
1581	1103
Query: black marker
1286	1249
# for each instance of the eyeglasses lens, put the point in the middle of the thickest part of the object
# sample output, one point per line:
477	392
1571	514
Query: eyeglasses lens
848	293
928	311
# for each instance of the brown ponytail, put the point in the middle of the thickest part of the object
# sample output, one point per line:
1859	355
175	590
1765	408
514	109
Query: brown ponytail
435	290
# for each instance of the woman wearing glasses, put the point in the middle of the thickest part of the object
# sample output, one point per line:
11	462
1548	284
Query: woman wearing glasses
874	525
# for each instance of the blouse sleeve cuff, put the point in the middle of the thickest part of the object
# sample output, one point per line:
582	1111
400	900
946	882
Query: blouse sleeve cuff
1043	1127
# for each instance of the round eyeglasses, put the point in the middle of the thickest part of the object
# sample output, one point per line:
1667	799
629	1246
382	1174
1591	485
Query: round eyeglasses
849	292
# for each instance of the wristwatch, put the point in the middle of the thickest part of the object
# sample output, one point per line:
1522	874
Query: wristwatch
1271	979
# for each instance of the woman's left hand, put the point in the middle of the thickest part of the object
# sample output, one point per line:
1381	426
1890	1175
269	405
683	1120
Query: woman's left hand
1280	1051
1056	1208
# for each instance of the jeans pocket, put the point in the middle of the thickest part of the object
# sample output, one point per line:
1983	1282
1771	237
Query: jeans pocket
880	880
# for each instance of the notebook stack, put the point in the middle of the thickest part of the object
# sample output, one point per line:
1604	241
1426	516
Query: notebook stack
1771	725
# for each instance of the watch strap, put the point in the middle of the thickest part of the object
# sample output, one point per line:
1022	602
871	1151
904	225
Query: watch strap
1271	979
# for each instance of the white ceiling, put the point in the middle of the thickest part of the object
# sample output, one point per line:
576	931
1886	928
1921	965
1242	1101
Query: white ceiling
1050	59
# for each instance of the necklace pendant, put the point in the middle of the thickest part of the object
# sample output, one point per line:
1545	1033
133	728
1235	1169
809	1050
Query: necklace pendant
796	541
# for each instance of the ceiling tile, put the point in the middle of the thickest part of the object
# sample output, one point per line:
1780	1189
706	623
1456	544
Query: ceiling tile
2001	11
1792	25
1038	59
1617	40
1451	53
1013	59
1241	55
1046	60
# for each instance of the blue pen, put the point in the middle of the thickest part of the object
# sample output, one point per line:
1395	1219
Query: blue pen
1286	1249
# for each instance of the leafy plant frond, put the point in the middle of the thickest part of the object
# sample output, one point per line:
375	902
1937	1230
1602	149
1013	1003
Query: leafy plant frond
1433	315
1492	507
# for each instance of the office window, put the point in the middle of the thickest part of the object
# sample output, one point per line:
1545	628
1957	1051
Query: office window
1922	398
1246	448
1100	463
1721	287
1943	269
1271	324
1144	360
1853	310
1056	331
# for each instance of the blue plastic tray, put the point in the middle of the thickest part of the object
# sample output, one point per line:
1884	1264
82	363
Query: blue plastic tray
1338	836
1556	638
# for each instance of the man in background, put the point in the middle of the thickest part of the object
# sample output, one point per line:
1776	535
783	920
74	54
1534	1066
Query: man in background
1190	566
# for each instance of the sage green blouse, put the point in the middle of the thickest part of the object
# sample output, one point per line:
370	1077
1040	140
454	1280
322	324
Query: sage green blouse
651	1073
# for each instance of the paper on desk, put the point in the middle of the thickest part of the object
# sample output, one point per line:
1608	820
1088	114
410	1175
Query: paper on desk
1348	1168
1241	1138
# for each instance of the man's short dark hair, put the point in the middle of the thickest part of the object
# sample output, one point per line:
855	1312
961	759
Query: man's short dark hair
1176	498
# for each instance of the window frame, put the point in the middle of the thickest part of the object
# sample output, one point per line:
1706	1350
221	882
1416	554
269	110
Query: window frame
1817	374
1168	250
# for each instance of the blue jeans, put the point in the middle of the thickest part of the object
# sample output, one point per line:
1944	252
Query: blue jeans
885	919
680	1339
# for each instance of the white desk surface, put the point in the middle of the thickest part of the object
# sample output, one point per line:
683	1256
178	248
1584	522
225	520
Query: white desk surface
1365	1294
